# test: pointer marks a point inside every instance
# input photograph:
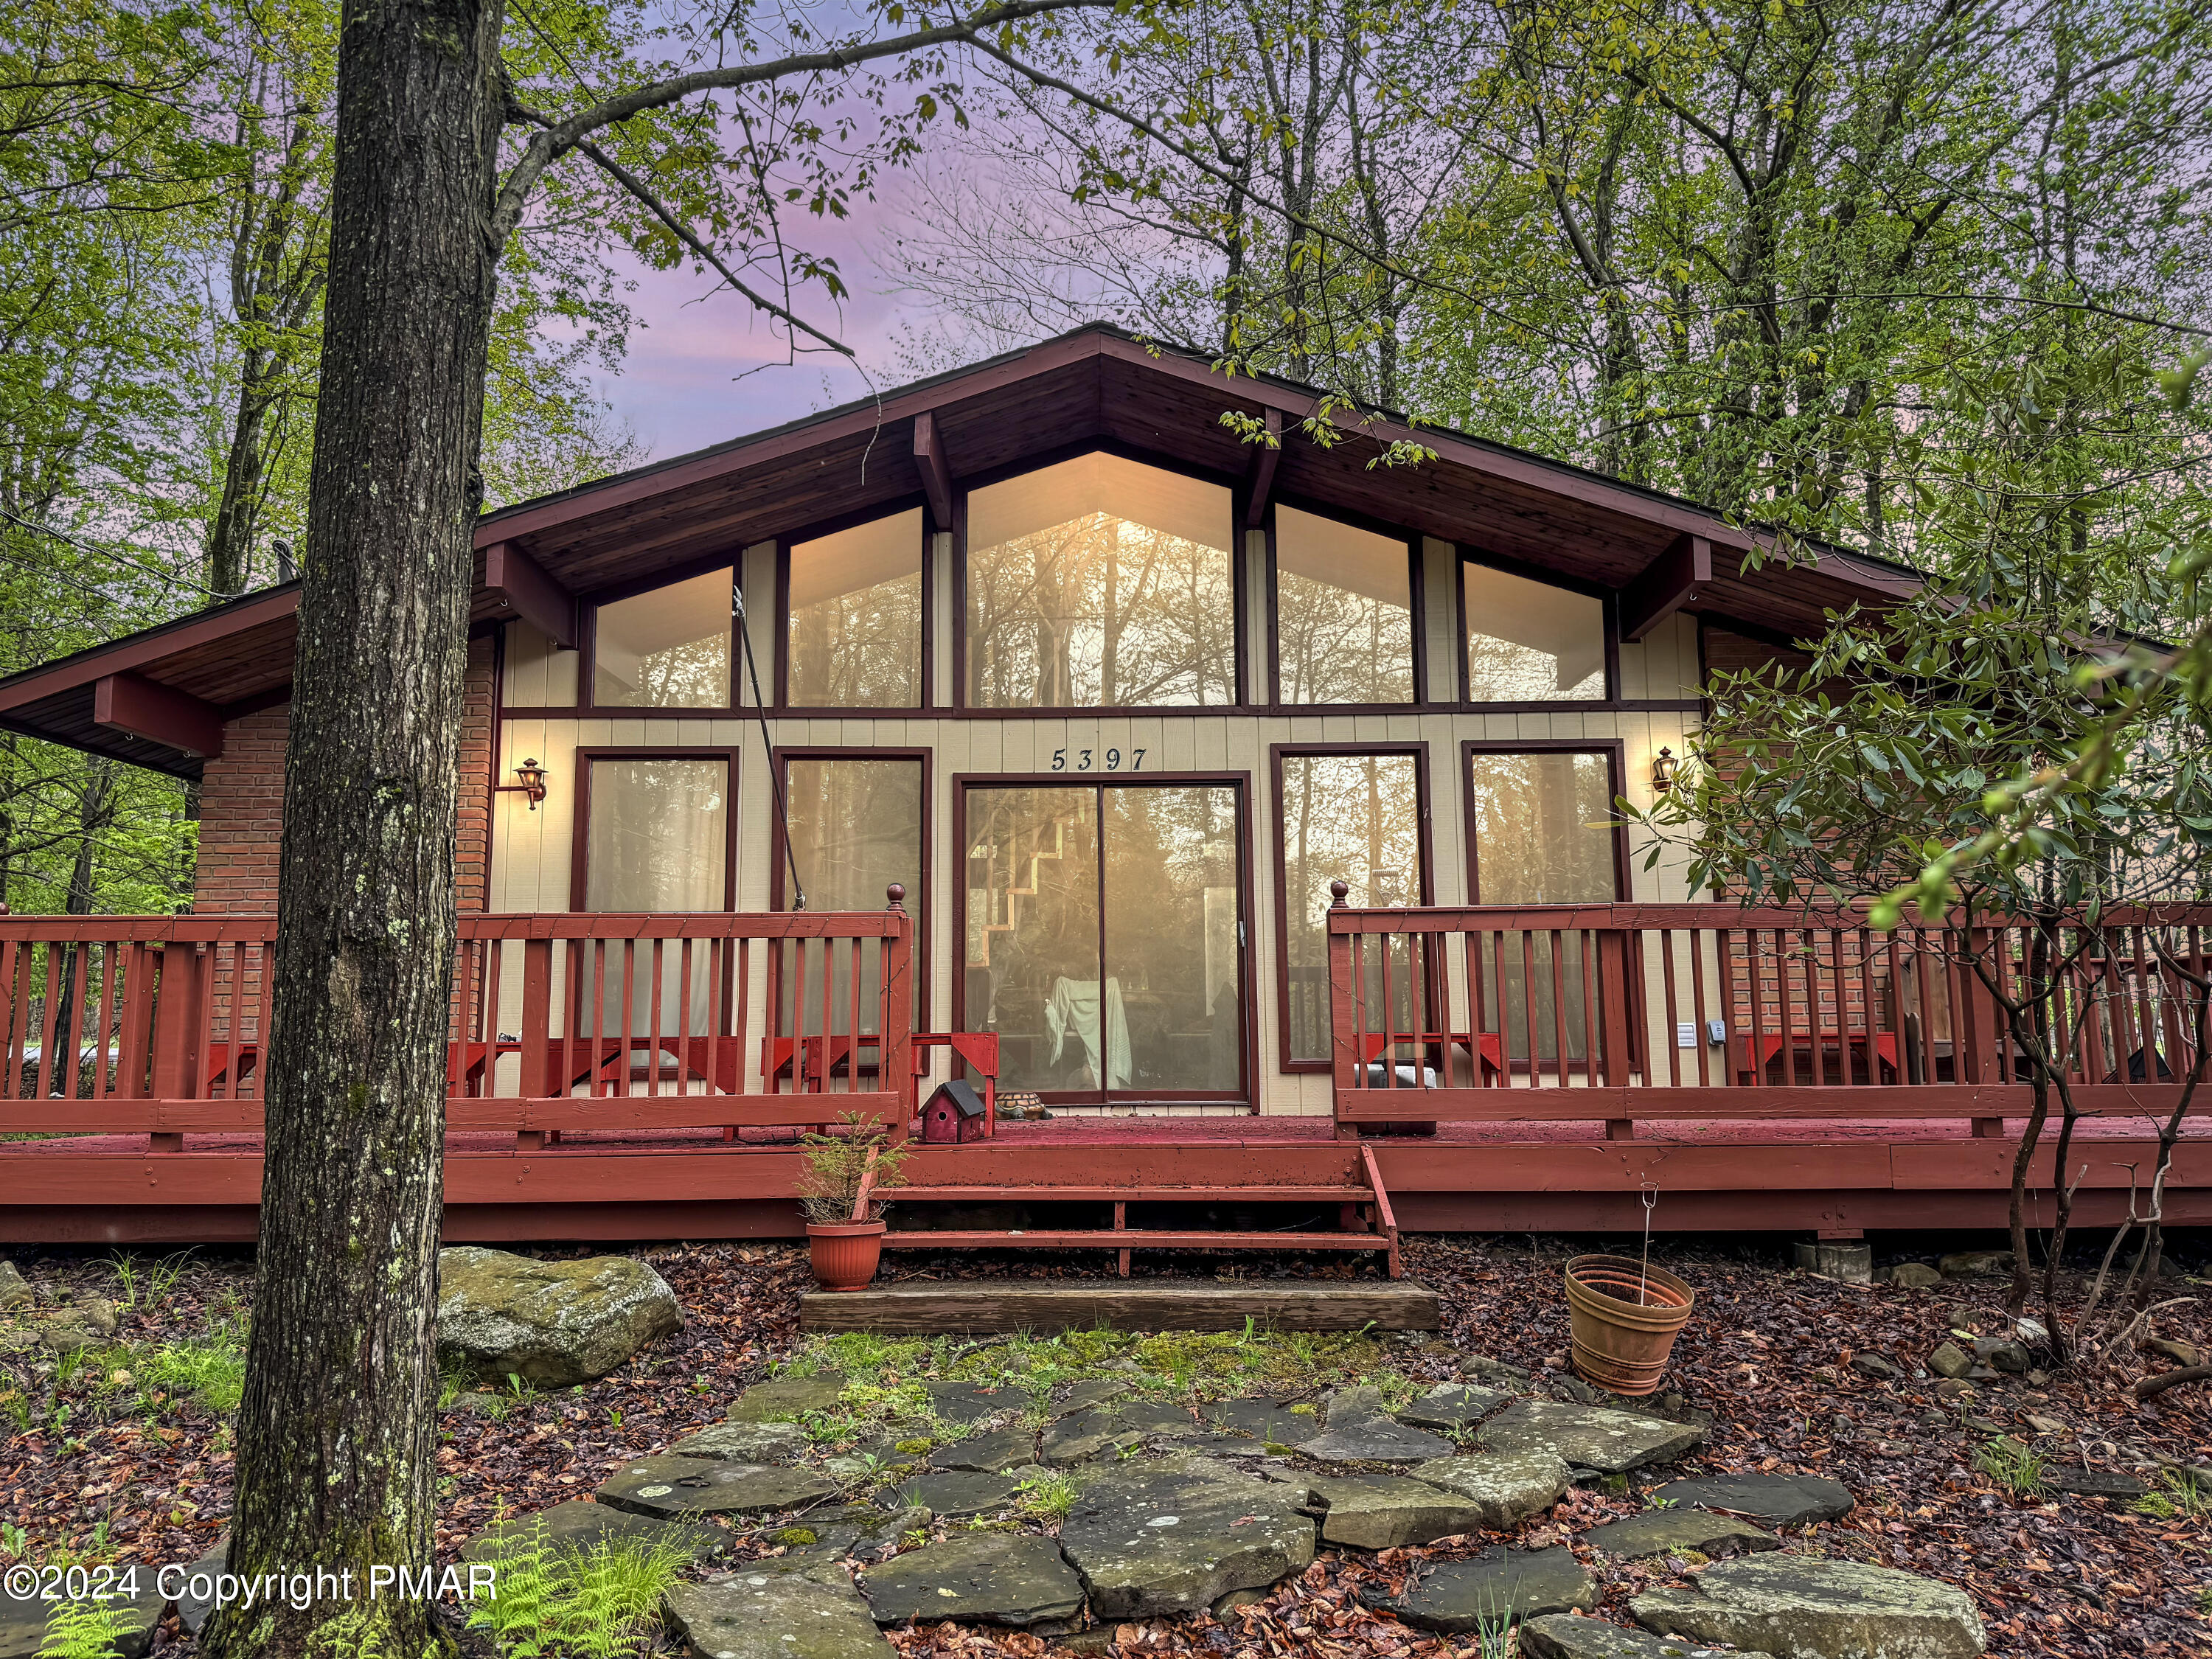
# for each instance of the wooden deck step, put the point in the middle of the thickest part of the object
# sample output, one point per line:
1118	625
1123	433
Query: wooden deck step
1042	1193
1110	1238
1160	1304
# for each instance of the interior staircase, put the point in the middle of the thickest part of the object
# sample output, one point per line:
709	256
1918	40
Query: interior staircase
1189	1196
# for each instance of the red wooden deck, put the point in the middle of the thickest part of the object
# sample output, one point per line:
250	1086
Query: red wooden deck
155	1132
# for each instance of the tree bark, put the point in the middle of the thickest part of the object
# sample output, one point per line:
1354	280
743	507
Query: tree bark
337	1433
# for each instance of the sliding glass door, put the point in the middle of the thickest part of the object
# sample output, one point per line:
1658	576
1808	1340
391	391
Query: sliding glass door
1105	939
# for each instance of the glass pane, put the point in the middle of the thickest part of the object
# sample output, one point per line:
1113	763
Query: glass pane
1344	604
1172	1003
1542	836
1353	818
669	649
855	828
855	638
659	835
1529	642
657	840
1032	946
1100	583
1543	829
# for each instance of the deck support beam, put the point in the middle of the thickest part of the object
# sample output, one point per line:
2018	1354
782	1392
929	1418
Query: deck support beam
1665	585
160	714
524	587
936	473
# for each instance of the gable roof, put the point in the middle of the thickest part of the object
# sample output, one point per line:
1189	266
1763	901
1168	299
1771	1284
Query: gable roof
1096	385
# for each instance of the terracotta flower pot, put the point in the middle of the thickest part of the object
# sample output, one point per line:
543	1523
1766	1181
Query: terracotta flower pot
844	1254
1624	1319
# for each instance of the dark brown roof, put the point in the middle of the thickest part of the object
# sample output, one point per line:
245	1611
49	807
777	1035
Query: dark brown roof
1094	385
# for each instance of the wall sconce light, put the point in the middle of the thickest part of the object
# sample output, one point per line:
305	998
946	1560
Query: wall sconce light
531	782
1663	765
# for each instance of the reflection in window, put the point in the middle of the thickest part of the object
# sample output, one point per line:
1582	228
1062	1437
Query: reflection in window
1353	818
657	840
667	648
1100	583
855	828
1344	601
1145	1001
1530	642
1542	836
855	627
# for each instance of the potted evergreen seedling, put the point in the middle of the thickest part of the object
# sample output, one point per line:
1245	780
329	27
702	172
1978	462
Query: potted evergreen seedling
837	1188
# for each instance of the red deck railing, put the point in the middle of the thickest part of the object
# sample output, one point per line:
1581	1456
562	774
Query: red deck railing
1614	1012
137	1025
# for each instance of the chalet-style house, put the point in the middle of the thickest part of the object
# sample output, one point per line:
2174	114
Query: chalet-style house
1114	697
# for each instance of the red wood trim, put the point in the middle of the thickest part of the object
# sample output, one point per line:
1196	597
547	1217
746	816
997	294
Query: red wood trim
1666	585
1144	1238
929	461
160	714
1385	1222
1264	463
1757	1102
526	589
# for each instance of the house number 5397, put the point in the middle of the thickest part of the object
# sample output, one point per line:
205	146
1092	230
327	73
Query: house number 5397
1089	760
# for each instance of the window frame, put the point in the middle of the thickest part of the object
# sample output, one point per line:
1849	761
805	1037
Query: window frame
1247	1053
1416	599
1615	752
917	904
580	830
587	649
780	684
1277	753
1609	620
1239	489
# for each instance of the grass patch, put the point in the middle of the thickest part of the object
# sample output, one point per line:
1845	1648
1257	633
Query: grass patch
209	1368
1217	1362
2182	1497
599	1603
2014	1465
1049	1496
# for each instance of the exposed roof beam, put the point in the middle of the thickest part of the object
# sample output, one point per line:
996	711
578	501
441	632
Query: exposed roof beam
1263	467
936	475
533	595
160	714
1666	585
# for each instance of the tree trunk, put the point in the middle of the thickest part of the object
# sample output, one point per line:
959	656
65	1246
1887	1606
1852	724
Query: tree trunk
337	1433
230	544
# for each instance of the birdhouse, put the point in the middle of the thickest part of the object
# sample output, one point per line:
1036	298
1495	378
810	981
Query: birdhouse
954	1114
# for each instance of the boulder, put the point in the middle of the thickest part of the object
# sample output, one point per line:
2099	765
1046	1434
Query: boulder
1565	1636
2078	1481
775	1615
14	1291
1951	1361
1359	1431
745	1443
1079	1438
1976	1264
996	1577
679	1486
1874	1365
1382	1512
1778	1500
2002	1354
1806	1607
1668	1532
1177	1535
1006	1449
23	1622
959	1494
1454	1597
1589	1437
195	1597
786	1399
1505	1488
1914	1276
552	1324
90	1321
577	1526
1452	1406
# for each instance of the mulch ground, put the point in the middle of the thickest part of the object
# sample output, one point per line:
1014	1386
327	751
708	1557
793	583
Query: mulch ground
1768	1355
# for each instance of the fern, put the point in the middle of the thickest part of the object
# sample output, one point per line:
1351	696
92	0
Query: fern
86	1630
599	1603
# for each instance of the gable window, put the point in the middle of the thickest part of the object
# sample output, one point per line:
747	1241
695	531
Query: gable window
668	648
1344	613
854	636
1100	583
1527	642
1355	817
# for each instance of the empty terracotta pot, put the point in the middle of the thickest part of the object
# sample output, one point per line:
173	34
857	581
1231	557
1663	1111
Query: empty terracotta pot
844	1254
1624	1319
